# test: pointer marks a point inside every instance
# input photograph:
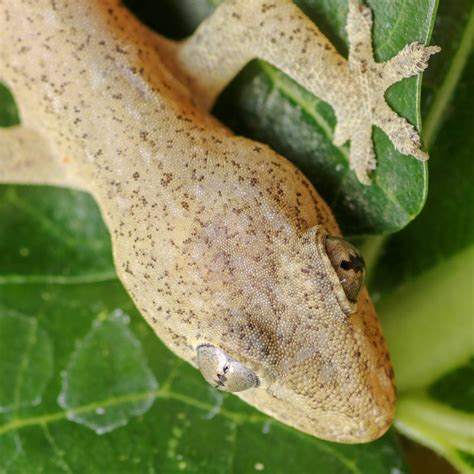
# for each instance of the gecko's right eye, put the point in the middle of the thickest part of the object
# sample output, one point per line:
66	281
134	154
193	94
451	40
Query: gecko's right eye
348	264
223	372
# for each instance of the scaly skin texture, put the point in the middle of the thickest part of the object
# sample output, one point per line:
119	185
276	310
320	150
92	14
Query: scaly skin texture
218	239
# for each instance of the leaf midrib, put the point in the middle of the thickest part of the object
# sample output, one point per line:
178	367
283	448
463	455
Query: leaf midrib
19	279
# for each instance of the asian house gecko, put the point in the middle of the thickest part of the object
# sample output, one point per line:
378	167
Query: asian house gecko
225	247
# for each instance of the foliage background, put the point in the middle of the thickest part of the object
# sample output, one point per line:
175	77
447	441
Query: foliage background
86	386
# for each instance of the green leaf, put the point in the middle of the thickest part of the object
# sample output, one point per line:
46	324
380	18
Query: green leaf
96	367
452	390
434	424
8	112
63	222
423	280
264	104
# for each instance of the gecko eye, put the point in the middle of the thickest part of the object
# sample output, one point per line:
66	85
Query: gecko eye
348	264
223	372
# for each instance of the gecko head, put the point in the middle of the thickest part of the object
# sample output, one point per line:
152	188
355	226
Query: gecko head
307	348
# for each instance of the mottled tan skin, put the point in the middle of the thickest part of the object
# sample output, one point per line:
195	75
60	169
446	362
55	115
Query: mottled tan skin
217	238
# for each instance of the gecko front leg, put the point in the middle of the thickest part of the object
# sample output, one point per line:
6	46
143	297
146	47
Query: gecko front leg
278	32
367	106
26	157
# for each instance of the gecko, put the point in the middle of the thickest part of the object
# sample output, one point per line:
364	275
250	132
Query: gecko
224	246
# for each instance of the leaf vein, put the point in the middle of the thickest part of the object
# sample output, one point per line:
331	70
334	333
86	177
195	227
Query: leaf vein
57	279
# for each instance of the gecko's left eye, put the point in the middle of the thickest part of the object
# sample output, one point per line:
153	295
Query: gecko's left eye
348	264
222	371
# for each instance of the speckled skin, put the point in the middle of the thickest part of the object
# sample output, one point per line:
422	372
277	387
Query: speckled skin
217	238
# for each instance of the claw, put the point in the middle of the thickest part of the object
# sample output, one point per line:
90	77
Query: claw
402	134
419	54
411	60
420	155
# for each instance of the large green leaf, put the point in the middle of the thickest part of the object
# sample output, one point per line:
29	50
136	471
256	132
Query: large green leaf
64	301
425	276
87	387
265	104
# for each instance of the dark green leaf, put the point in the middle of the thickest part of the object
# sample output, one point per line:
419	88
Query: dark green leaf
453	390
468	458
112	375
8	111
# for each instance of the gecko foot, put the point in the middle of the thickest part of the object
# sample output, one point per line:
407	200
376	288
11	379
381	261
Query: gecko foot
366	105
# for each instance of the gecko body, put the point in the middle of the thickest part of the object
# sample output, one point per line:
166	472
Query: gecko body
221	242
